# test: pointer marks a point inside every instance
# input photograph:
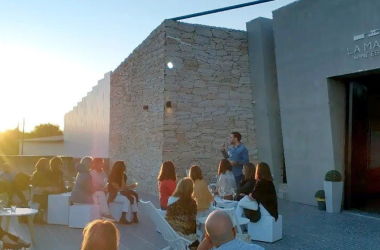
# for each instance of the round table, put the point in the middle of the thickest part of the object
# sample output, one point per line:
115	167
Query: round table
29	212
225	203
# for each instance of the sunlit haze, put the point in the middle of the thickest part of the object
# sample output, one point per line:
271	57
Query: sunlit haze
53	52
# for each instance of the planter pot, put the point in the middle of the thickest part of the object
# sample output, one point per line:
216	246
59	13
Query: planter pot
321	205
333	194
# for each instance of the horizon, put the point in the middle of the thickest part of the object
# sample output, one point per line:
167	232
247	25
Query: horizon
56	52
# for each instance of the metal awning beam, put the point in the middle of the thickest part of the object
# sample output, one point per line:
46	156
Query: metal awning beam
220	10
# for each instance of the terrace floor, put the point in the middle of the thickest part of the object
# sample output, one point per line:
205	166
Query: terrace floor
304	227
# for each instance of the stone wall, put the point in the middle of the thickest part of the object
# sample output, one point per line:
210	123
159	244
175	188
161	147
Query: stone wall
136	134
210	91
209	88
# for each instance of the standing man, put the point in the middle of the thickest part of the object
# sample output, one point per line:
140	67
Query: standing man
237	154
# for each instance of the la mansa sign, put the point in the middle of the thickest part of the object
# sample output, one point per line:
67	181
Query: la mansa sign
368	46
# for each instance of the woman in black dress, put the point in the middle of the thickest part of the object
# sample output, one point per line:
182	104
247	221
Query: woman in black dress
248	183
264	192
121	193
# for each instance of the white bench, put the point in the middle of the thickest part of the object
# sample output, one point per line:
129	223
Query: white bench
266	229
58	209
82	214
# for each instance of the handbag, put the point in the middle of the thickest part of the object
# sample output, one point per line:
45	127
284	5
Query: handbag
253	215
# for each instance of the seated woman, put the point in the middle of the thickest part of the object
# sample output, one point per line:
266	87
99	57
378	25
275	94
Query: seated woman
121	193
56	176
166	183
13	182
41	189
226	180
201	194
248	183
99	181
11	241
83	188
182	208
264	192
100	235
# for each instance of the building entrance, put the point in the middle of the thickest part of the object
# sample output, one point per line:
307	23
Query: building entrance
362	184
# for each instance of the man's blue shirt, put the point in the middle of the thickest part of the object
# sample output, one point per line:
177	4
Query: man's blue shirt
238	154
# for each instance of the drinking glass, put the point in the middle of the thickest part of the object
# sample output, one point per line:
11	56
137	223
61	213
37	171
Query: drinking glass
234	192
67	185
222	192
13	208
105	182
134	181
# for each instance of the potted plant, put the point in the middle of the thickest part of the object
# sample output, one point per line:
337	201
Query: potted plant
333	186
320	197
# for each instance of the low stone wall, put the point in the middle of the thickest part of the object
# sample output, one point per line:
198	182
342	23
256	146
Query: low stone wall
26	163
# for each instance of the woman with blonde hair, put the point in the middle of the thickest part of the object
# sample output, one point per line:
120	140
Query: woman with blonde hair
100	235
201	194
182	208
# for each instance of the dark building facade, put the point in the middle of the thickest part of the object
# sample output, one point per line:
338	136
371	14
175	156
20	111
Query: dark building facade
315	67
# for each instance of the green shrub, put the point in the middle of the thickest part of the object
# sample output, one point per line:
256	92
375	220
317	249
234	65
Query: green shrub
320	194
333	176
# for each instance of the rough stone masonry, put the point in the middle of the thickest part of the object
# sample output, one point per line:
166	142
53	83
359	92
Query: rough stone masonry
209	90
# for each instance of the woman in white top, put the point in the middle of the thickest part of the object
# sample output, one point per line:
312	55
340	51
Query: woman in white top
226	180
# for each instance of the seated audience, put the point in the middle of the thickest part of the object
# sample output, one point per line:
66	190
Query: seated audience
182	208
100	181
221	234
201	194
121	193
226	180
11	241
166	183
57	182
264	192
100	235
14	183
248	183
41	189
83	189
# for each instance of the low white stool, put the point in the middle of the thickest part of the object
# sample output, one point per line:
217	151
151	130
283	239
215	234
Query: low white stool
58	209
266	229
82	214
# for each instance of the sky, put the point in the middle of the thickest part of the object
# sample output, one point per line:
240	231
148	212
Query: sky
53	52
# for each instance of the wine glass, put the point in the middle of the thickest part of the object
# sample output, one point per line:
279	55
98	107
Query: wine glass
105	182
222	192
210	189
135	182
67	185
234	192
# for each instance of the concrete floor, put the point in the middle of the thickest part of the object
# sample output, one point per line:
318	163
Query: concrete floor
304	227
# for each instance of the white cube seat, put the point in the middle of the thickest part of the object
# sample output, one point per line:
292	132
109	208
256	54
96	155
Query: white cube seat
58	209
82	214
266	229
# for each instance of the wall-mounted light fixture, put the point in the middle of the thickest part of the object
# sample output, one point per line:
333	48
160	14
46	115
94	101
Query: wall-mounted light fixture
168	104
170	65
145	107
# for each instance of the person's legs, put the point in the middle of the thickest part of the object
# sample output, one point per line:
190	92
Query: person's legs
100	196
126	205
8	238
134	210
